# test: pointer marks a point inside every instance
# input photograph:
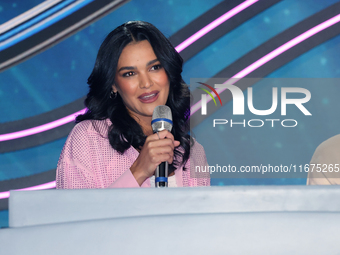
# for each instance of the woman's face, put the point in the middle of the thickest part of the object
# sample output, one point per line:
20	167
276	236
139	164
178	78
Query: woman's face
140	80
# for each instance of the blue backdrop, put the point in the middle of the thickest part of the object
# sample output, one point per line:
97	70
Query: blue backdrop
57	76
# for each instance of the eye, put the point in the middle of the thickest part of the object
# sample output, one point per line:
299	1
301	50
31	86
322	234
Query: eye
156	67
128	74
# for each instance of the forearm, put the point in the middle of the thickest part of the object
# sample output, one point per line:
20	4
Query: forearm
128	180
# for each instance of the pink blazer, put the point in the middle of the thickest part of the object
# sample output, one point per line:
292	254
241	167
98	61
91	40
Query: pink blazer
88	161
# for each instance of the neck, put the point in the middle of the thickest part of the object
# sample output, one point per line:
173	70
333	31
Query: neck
144	123
147	131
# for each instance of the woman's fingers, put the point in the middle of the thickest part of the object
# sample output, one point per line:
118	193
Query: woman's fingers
160	143
157	148
163	137
162	154
163	143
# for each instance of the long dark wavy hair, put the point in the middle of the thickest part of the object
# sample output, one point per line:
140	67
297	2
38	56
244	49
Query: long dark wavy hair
125	131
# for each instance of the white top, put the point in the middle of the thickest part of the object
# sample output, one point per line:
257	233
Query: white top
171	181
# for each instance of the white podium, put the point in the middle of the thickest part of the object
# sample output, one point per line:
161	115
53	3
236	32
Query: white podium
214	220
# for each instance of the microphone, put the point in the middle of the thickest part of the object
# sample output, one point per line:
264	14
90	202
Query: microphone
161	119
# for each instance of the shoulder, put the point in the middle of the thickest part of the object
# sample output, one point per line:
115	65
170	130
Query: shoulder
327	157
91	127
197	158
327	152
86	132
197	151
196	145
86	136
329	149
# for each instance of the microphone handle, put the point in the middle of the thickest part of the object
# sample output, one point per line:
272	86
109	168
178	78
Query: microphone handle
161	175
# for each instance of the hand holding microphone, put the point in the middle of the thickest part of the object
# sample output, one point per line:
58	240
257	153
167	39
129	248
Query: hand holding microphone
158	147
161	120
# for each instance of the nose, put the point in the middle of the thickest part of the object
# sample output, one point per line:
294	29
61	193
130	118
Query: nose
145	81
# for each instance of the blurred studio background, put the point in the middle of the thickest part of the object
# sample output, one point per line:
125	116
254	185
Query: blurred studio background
48	49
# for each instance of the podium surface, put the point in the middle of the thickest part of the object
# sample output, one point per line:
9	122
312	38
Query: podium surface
214	220
28	208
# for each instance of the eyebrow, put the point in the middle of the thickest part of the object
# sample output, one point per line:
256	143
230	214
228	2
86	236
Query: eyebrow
133	67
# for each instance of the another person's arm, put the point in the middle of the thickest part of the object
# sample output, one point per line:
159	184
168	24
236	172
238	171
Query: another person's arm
324	168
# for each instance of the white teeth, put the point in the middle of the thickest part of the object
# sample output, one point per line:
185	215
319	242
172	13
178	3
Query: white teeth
149	96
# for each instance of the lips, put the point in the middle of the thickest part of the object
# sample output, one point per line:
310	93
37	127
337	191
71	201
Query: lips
149	97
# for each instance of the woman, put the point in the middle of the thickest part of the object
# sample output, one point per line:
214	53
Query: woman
113	145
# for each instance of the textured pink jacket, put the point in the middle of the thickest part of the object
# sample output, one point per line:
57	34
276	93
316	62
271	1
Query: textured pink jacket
88	161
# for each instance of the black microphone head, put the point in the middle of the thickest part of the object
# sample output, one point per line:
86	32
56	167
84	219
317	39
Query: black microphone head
161	118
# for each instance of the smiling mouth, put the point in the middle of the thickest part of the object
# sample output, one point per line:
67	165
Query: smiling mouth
149	97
